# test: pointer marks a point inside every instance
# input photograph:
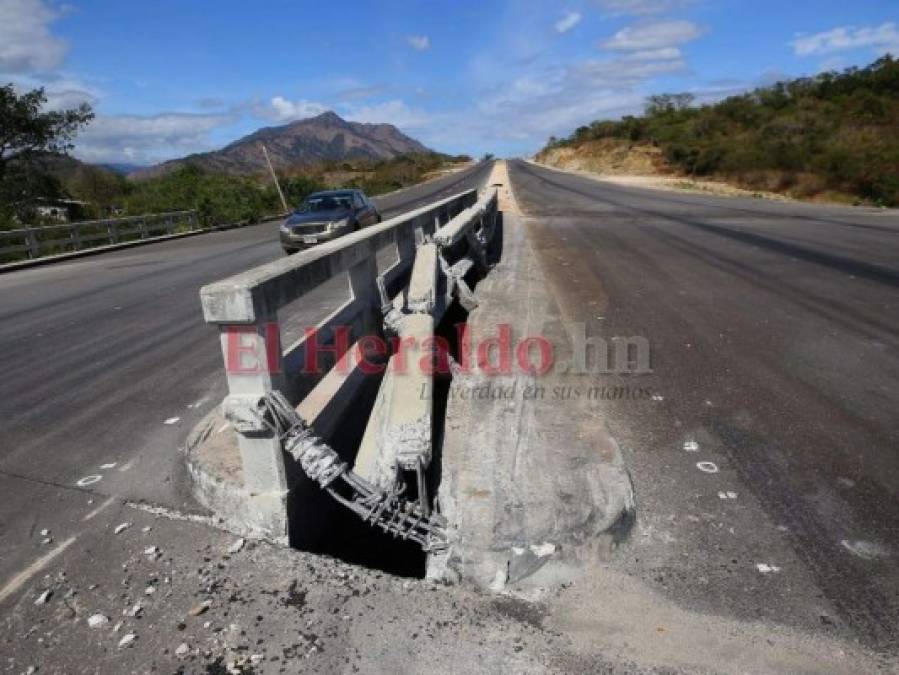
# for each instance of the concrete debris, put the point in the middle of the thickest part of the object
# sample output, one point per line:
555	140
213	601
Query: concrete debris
97	620
134	611
691	446
237	546
47	541
149	590
201	608
127	640
764	568
43	597
543	549
146	529
121	528
182	649
117	627
45	532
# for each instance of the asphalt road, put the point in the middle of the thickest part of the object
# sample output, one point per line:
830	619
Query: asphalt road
107	364
774	336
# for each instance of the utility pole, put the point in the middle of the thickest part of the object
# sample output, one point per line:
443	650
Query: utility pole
275	178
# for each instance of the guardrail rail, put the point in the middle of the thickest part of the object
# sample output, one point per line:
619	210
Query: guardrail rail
36	242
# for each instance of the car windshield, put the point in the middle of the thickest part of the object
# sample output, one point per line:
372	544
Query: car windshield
325	203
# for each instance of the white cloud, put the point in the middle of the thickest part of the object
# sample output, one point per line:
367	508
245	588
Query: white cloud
567	22
26	44
394	112
648	36
883	38
641	7
146	139
419	42
664	54
550	101
281	109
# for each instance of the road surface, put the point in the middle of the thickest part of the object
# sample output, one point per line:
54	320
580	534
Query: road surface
774	336
107	364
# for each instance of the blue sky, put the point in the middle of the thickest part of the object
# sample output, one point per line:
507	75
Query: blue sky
172	77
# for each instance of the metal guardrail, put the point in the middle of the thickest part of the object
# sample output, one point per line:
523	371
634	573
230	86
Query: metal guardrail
407	297
36	242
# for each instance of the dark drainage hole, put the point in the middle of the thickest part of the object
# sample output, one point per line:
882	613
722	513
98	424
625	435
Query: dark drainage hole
320	525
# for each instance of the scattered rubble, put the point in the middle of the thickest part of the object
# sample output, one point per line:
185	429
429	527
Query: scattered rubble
97	620
121	528
127	640
237	546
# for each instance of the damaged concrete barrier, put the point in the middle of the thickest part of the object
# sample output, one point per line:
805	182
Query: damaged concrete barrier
405	301
246	309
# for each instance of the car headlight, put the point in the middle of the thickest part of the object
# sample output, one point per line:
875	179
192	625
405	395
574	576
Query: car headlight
337	224
284	228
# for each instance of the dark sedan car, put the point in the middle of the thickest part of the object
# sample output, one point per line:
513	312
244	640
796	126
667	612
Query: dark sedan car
324	216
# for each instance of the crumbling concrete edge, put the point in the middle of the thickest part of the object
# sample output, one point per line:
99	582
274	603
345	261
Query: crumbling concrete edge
221	491
496	565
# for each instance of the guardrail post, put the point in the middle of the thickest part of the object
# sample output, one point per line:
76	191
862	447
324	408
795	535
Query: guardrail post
34	246
143	228
364	287
75	236
253	367
112	229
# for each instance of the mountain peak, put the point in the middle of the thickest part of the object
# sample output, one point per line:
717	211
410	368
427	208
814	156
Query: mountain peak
327	116
326	136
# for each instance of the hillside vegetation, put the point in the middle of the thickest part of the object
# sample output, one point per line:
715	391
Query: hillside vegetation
219	197
834	135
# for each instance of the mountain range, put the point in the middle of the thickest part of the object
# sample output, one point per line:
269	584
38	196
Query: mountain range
299	144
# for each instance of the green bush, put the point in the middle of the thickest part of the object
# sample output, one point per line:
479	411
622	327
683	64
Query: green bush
837	130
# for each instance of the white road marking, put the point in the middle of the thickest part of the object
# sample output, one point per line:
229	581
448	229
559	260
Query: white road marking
97	510
89	480
22	577
707	467
867	550
223	427
172	420
111	465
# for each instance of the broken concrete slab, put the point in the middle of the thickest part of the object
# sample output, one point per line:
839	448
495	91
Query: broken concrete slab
522	466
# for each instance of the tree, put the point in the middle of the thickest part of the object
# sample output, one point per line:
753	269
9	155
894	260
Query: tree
29	135
662	104
26	129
